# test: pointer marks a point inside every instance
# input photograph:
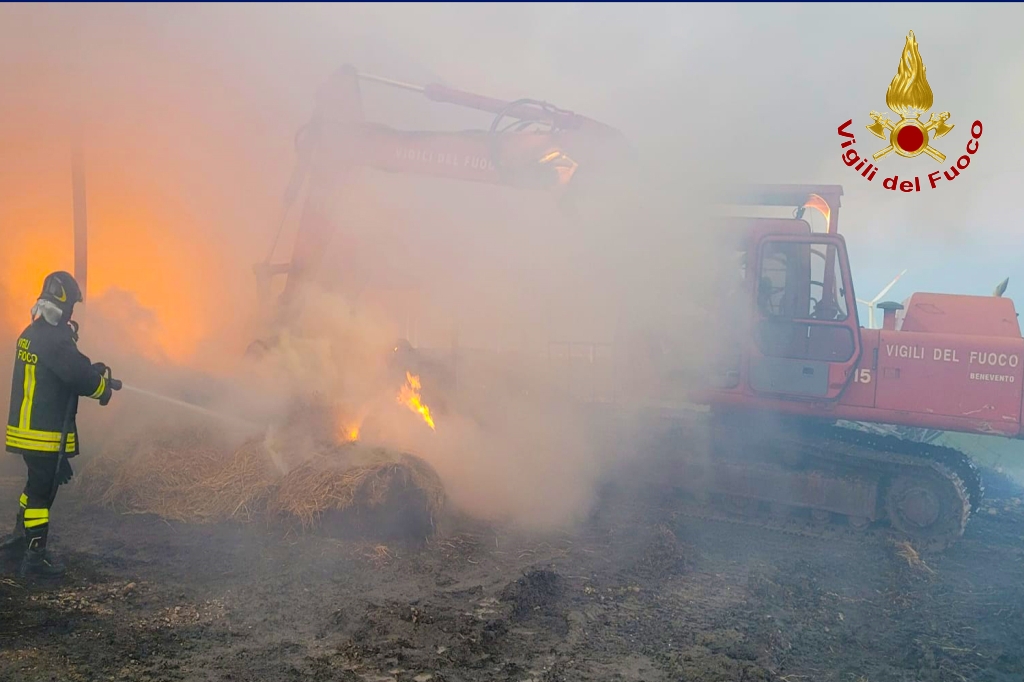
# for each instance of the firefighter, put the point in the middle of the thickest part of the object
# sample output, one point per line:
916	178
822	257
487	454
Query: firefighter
50	374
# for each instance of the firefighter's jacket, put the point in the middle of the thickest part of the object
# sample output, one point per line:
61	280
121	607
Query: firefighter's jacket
49	372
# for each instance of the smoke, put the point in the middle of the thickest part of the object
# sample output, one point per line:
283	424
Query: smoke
187	114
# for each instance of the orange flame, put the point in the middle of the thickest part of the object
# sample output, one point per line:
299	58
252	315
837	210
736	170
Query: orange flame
564	166
346	428
350	432
409	395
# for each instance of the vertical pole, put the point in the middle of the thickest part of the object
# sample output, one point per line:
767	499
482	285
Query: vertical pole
80	218
455	359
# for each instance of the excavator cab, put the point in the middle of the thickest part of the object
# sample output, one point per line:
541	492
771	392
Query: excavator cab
805	334
801	338
785	446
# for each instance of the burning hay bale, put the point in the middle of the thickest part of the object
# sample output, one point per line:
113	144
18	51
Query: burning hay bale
187	477
359	478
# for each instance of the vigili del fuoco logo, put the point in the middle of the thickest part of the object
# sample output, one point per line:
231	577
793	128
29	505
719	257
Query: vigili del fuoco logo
909	96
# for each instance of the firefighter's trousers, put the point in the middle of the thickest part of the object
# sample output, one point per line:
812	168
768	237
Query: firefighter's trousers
35	500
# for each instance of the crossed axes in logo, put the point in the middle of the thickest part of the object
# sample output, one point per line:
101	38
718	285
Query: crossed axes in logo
935	122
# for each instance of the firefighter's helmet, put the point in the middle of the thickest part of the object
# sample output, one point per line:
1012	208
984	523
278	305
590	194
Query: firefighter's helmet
61	289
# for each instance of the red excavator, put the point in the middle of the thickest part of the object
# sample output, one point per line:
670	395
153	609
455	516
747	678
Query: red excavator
796	381
796	376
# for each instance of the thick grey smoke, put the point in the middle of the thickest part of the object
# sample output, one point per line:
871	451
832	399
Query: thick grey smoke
187	115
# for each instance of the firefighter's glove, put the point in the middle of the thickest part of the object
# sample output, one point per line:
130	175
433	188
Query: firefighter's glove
64	473
112	384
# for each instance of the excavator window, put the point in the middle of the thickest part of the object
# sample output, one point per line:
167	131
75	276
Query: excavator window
826	302
800	300
778	291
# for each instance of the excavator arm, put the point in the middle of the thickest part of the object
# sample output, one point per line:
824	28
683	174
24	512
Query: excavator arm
530	145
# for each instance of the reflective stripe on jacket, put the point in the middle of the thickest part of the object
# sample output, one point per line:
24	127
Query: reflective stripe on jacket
49	371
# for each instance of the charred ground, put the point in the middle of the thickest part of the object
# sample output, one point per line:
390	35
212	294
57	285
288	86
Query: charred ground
637	593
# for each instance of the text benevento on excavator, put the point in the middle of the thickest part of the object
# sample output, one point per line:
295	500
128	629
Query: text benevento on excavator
530	145
799	382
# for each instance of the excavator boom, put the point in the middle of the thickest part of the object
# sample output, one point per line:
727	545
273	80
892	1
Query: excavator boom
530	145
522	109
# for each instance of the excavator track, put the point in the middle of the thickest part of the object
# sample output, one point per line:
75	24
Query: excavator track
916	491
957	462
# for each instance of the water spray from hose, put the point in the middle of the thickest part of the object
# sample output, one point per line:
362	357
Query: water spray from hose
275	457
191	406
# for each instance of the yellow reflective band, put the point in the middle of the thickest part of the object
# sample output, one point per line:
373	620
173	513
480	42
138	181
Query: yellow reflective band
23	501
27	396
102	387
32	434
33	446
36	446
36	517
40	436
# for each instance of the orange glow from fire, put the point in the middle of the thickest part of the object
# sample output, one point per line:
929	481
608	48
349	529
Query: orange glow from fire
160	264
816	202
346	429
564	166
169	245
131	265
348	432
409	395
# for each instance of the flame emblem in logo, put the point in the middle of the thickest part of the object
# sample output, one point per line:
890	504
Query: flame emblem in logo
909	95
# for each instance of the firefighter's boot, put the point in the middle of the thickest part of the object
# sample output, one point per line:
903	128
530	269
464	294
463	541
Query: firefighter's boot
37	562
40	563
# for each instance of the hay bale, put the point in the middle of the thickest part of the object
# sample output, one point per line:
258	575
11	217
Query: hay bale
352	476
189	480
236	489
185	476
120	471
